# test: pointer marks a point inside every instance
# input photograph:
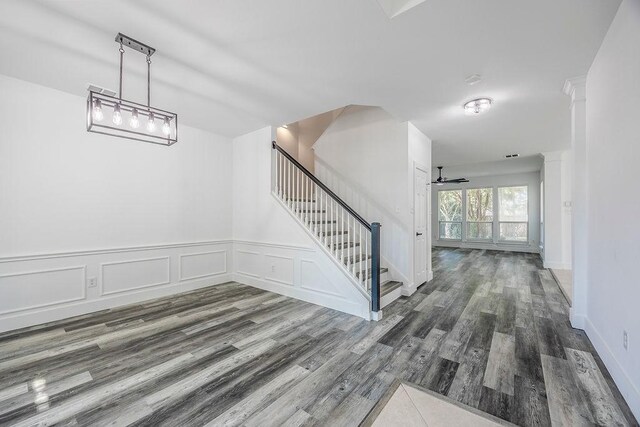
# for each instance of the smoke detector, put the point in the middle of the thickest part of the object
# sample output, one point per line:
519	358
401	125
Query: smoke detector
473	79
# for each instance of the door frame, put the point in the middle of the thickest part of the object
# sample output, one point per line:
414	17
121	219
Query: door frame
427	171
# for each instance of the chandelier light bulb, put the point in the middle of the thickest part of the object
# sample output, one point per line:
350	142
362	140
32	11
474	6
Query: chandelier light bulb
166	127
151	124
117	115
134	122
98	115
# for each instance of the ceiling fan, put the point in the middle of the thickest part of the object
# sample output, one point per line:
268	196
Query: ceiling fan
441	180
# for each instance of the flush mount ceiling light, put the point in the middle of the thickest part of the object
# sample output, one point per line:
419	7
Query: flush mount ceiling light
477	106
111	115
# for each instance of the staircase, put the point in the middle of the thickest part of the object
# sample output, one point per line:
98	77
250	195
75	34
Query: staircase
350	241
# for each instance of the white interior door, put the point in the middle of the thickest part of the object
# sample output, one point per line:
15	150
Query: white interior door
420	228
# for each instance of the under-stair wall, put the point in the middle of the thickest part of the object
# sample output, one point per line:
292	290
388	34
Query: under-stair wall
272	250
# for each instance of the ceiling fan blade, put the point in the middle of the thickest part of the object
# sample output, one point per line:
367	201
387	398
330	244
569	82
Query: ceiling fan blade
442	180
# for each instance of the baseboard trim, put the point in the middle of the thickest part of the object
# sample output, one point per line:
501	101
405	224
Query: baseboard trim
408	289
329	301
507	247
578	321
556	265
629	391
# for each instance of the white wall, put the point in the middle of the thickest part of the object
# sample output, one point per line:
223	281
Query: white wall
530	179
309	130
556	175
365	158
287	138
272	250
567	207
144	220
613	201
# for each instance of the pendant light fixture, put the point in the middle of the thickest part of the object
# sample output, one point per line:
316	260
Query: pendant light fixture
112	115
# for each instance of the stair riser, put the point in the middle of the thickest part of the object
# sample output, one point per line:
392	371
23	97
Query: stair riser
305	205
365	264
349	252
390	297
383	277
328	214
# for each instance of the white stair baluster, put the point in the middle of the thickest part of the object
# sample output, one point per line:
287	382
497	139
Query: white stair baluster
288	183
321	216
366	255
343	235
276	189
326	208
316	207
353	246
330	226
360	252
285	172
305	192
297	190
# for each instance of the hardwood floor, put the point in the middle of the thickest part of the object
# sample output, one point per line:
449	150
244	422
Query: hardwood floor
491	331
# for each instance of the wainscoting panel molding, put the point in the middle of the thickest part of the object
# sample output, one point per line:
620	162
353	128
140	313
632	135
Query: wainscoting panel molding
248	263
124	276
40	288
279	269
35	289
299	272
46	287
202	264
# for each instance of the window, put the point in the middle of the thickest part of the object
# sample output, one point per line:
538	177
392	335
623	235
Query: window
480	214
513	214
450	214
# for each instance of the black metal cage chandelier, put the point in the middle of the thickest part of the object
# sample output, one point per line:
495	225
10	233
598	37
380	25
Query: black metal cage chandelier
130	119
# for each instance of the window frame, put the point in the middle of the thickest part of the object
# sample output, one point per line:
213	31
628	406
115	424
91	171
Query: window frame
466	213
461	222
498	239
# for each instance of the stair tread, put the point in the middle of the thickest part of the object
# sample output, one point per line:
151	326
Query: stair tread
345	245
357	258
335	232
369	271
324	222
312	210
389	286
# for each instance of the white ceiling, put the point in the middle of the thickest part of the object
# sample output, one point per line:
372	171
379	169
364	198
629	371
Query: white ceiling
232	66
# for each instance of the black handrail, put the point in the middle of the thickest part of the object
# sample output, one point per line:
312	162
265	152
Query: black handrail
321	185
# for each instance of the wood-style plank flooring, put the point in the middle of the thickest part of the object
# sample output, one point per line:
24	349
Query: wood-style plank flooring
491	331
